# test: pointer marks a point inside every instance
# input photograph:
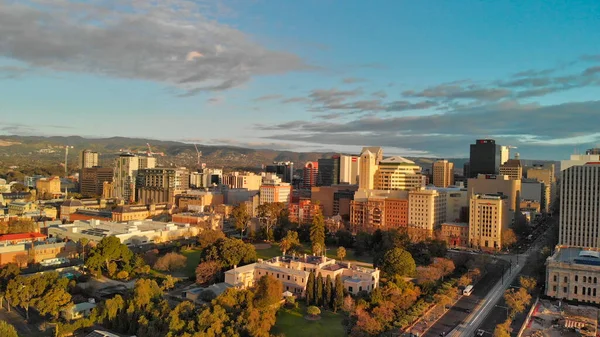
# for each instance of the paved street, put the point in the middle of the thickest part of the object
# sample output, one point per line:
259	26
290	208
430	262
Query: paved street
458	312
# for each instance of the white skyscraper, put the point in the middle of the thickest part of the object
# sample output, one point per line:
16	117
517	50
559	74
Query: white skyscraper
591	155
580	206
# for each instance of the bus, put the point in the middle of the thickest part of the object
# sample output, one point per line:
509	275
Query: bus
468	290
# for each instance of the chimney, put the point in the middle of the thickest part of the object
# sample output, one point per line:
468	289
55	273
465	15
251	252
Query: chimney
235	266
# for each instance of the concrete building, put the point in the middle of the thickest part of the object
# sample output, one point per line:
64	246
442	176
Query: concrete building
275	193
198	201
89	159
378	209
545	173
48	185
579	224
398	173
130	233
123	213
21	207
497	184
443	173
489	217
247	180
30	181
303	211
572	273
329	171
349	169
455	234
457	205
310	174
512	168
591	155
533	191
426	212
206	178
486	157
293	272
159	185
126	169
368	165
92	179
210	221
326	196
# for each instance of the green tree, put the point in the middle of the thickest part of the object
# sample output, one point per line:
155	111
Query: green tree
241	217
289	242
313	311
109	249
328	293
55	299
319	290
341	253
7	330
268	292
83	243
310	289
339	294
7	273
317	230
170	262
208	237
230	252
397	261
182	319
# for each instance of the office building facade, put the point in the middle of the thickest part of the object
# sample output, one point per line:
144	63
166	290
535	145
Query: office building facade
398	173
443	173
349	169
488	218
329	171
284	170
89	159
160	185
310	174
92	179
486	157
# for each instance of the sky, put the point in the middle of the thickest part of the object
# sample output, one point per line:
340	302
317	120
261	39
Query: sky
419	78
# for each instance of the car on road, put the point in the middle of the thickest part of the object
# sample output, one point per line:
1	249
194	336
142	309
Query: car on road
480	332
468	311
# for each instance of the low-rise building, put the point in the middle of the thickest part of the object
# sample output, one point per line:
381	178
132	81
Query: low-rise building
203	220
140	212
572	273
48	185
293	272
79	310
303	211
21	207
19	238
455	234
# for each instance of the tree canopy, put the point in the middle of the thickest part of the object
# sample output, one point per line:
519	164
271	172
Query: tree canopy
7	330
397	261
109	250
317	231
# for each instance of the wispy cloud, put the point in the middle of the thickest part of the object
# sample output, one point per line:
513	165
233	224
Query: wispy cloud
268	97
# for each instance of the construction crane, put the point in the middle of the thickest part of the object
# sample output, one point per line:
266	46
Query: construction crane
150	153
199	153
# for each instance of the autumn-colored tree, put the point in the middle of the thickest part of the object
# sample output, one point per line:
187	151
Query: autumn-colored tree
509	237
446	266
313	311
464	281
268	291
349	304
366	324
7	273
208	272
503	330
384	313
208	237
7	330
109	249
341	253
170	262
529	283
517	300
144	292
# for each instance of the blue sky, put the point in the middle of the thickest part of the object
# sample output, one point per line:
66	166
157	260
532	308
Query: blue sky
417	77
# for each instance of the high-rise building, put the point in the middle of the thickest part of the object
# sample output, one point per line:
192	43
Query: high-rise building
89	159
443	173
426	211
591	155
485	157
270	193
488	219
349	167
310	174
246	180
493	184
512	168
160	185
329	171
398	173
92	179
284	170
580	206
126	168
544	173
369	161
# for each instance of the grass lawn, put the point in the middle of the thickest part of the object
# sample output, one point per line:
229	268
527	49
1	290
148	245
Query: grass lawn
193	259
291	323
268	253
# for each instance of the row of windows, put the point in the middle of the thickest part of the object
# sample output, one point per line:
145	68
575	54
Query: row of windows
590	291
586	279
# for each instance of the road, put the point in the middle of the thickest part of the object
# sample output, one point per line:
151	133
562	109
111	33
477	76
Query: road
458	313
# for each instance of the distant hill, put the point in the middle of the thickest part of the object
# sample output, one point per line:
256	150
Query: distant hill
33	150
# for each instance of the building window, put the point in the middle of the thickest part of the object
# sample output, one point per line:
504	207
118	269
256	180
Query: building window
576	278
556	278
575	289
589	291
584	279
583	291
566	279
554	288
594	292
350	289
565	290
595	280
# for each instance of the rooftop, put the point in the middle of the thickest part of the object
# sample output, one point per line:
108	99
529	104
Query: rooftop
577	255
396	160
22	236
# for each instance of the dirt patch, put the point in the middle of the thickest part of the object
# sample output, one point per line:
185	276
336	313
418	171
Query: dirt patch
261	246
7	143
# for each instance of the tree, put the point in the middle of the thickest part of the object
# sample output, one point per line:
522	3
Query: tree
230	252
310	289
341	253
428	274
170	262
446	266
328	293
241	217
144	292
517	300
313	311
83	242
109	249
7	273
317	231
317	249
21	292
503	330
464	281
7	330
397	261
289	242
319	290
208	272
338	300
208	237
268	292
508	237
53	301
529	283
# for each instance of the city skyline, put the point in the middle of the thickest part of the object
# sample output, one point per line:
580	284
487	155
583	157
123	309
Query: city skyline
418	79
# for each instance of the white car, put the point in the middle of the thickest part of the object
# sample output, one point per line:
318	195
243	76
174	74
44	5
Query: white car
480	332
